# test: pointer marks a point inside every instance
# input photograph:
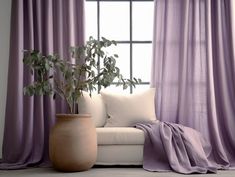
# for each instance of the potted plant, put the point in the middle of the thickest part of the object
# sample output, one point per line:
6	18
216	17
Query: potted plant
72	143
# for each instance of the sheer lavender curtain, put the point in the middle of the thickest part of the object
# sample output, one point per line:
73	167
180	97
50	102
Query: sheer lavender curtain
194	70
51	26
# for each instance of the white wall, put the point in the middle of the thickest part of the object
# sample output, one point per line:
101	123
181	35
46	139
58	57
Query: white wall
5	13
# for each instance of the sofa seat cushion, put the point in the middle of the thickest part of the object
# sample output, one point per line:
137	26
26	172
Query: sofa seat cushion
119	135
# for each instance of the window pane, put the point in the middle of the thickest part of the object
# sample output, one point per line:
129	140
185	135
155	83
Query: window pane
115	20
123	61
142	58
143	20
139	88
91	19
118	89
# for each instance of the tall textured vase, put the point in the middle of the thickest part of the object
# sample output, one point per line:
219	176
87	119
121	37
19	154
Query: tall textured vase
73	143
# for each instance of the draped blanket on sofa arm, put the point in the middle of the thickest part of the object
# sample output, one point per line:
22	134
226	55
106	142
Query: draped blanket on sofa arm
170	146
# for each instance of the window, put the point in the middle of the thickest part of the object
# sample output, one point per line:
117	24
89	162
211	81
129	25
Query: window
130	23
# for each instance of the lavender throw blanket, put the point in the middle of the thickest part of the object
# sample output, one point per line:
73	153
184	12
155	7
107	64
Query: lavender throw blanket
170	146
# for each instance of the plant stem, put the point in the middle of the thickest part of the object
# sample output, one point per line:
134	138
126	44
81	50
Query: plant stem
62	91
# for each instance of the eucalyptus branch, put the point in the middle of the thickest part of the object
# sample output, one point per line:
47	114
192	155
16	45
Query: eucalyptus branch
63	93
75	78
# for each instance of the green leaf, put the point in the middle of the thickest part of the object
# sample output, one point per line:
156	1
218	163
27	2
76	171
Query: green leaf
71	79
125	86
47	66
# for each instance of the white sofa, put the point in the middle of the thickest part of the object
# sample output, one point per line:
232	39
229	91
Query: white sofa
119	143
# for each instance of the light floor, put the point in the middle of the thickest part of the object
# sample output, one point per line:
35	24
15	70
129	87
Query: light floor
105	172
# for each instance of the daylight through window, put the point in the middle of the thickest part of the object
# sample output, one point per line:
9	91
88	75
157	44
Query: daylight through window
130	23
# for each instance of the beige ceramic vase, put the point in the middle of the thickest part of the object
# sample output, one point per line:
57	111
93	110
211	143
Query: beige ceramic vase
73	143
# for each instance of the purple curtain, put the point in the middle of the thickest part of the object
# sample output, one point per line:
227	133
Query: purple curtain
194	70
50	26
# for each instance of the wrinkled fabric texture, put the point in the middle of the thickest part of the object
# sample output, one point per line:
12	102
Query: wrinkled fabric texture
170	146
193	70
50	26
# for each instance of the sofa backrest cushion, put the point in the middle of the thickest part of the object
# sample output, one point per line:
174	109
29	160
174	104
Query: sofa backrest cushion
94	106
128	109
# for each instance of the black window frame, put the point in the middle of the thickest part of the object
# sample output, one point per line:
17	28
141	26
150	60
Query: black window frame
131	41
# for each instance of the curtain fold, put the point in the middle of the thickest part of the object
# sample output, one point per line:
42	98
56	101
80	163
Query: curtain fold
194	70
50	26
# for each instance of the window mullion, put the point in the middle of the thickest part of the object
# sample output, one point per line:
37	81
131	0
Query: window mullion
131	47
98	36
98	19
